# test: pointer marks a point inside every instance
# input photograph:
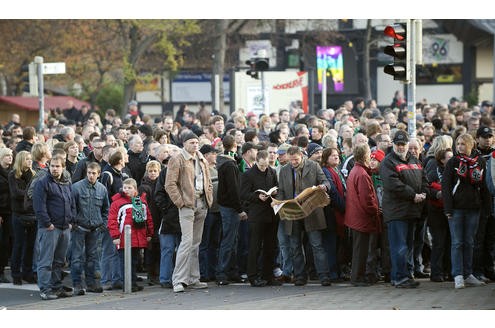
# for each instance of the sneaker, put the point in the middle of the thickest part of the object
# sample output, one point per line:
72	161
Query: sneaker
244	278
107	287
61	293
459	282
300	282
179	288
222	282
326	282
277	272
409	283
198	285
117	286
421	274
78	291
4	279
472	281
483	278
136	288
48	296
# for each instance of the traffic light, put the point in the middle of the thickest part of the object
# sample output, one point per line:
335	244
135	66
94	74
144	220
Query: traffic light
399	50
252	71
30	79
261	64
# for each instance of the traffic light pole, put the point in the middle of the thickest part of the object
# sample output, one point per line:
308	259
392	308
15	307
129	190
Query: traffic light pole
263	93
324	89
411	86
38	60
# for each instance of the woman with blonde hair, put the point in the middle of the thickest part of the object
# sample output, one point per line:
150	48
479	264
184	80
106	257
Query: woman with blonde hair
24	225
40	155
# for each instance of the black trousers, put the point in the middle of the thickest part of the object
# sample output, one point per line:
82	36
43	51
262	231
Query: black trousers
262	245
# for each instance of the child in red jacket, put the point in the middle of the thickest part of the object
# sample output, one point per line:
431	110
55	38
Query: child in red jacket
130	208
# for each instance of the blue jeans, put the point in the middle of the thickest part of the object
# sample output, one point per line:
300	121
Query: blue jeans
22	249
227	257
285	251
53	246
400	237
84	256
110	261
319	255
463	226
210	243
329	235
168	246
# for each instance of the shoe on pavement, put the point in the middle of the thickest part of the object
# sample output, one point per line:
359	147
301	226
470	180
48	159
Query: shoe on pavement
258	283
409	283
4	279
222	282
17	281
117	286
326	282
166	285
179	288
300	282
459	282
436	278
94	289
277	272
420	274
472	281
61	293
483	278
198	285
78	291
48	296
136	288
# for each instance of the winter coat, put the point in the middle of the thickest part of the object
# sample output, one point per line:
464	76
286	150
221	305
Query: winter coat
53	202
229	179
5	206
312	175
458	192
169	213
179	182
362	210
148	188
402	180
81	167
137	165
121	215
112	179
17	190
252	180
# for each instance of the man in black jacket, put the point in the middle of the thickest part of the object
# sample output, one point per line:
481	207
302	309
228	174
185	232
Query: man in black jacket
231	211
404	192
263	222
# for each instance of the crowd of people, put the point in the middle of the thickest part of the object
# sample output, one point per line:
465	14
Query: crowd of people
192	188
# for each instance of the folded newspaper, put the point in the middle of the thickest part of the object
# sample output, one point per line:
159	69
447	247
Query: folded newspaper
303	205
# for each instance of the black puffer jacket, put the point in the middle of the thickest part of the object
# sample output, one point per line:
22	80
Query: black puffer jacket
459	193
402	180
4	191
17	190
169	213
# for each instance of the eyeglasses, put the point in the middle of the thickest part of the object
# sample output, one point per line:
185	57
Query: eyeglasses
272	152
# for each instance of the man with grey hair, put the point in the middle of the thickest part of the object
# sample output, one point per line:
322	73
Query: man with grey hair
404	193
137	158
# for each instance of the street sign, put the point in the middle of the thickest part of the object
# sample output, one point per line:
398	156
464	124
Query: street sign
53	68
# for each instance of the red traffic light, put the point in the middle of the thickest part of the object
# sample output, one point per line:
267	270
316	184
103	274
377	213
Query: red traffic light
396	31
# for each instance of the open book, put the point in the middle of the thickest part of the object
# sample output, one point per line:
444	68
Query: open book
269	192
303	205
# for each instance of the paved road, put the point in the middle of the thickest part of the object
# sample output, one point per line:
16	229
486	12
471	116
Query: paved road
382	296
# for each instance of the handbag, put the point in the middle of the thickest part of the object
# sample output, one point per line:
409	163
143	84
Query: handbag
27	220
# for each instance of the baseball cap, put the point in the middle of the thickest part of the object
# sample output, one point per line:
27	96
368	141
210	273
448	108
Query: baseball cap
248	146
401	137
378	154
282	149
484	131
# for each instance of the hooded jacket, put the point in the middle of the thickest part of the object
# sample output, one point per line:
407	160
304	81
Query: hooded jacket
229	183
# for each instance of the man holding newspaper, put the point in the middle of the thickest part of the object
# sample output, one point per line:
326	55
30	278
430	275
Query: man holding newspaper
294	179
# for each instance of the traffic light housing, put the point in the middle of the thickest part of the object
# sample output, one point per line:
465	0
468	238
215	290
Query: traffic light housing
30	79
400	51
252	71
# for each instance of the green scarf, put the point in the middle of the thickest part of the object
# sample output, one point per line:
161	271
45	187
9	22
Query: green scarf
138	217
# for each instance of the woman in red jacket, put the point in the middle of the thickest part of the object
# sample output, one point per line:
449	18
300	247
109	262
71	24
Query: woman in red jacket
130	208
362	212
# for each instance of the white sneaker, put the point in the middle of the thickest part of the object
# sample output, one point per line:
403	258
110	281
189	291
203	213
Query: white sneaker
277	272
198	285
472	281
459	282
178	288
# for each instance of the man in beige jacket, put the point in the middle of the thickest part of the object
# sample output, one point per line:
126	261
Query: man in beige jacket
189	186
